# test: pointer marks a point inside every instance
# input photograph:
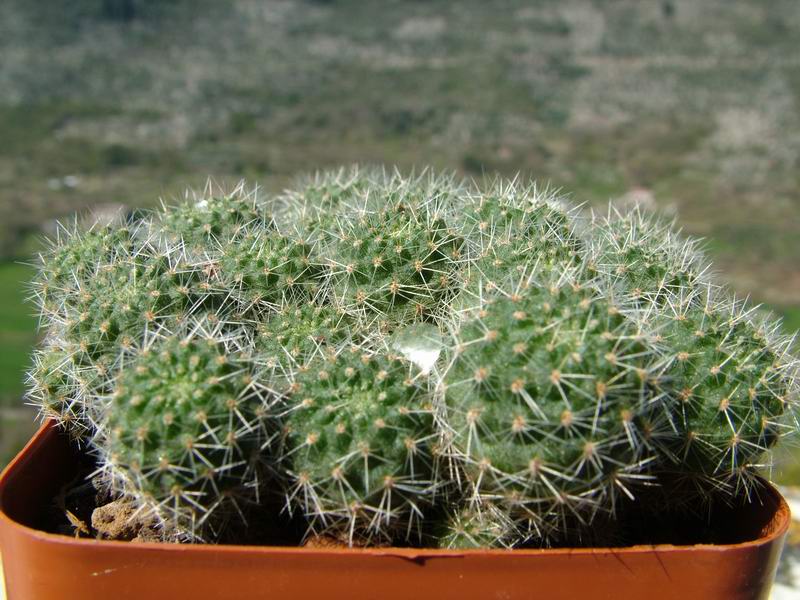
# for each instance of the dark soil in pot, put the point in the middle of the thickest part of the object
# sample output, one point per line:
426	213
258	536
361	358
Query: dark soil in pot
84	508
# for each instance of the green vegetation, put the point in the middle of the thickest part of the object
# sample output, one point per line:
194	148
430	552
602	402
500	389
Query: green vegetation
791	318
17	334
17	327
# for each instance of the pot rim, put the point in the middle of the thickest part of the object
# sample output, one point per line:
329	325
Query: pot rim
775	529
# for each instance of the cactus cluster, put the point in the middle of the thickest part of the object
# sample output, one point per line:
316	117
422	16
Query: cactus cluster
404	360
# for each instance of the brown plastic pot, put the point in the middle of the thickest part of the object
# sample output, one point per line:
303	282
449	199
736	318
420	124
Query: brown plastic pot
43	566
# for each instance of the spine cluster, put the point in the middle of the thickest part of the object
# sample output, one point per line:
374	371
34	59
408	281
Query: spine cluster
404	360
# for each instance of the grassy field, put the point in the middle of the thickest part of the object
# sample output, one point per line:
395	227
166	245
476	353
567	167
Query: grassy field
791	319
692	108
17	333
17	330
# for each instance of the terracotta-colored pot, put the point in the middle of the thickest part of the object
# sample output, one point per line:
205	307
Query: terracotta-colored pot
43	566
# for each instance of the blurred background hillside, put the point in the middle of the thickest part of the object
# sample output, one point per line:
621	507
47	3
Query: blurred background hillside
691	107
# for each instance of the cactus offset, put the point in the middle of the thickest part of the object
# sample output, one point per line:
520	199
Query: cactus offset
57	386
393	266
186	430
203	222
484	527
731	384
646	256
294	336
395	259
509	226
359	434
729	379
549	400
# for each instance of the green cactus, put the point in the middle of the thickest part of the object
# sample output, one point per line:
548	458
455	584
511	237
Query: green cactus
359	446
67	366
186	430
729	378
119	303
383	241
318	205
56	387
261	268
71	261
206	221
99	293
549	398
394	266
313	206
230	334
645	255
471	527
511	225
300	332
731	385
